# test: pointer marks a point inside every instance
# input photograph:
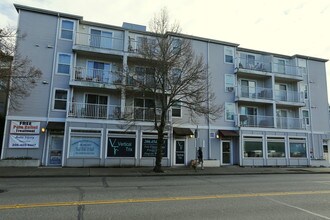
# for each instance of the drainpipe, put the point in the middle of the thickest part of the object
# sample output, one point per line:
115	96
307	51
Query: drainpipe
208	101
310	114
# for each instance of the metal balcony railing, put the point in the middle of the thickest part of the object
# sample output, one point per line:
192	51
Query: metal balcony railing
110	112
265	64
255	92
256	121
97	75
289	96
290	123
100	41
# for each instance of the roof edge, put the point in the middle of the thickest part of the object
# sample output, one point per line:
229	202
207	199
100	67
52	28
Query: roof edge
48	12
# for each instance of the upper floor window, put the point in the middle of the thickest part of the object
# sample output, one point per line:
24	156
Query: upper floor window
101	39
176	75
229	54
229	82
176	109
305	115
60	99
305	91
302	66
64	63
67	29
229	111
176	46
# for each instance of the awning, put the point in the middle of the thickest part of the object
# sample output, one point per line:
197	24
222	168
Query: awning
228	133
55	126
182	131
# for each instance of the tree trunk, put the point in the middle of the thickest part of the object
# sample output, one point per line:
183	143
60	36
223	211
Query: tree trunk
160	144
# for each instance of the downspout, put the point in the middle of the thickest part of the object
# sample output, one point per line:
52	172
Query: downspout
208	99
44	156
310	114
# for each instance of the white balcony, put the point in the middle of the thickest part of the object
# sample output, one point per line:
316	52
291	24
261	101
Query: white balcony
290	123
261	121
289	96
111	112
97	75
249	92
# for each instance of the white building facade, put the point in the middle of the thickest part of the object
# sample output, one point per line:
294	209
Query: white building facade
275	106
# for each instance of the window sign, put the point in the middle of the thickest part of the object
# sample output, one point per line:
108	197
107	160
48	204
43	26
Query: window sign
23	141
121	147
25	127
85	146
149	147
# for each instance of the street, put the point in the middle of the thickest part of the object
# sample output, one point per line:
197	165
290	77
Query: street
289	196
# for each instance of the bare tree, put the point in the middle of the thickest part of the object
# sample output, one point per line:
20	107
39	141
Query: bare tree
173	75
17	75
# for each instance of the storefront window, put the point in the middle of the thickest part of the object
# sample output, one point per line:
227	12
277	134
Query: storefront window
253	147
297	147
276	147
84	144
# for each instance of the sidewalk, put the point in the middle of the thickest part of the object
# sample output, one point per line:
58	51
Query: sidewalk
147	171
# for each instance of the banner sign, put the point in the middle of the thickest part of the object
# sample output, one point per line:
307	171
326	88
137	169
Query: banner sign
85	147
149	147
121	147
23	141
25	127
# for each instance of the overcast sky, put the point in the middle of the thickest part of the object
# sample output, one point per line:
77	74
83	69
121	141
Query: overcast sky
281	26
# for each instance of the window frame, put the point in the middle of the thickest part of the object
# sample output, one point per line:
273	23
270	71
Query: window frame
58	63
304	118
61	29
259	139
228	84
177	107
231	53
233	112
297	140
54	99
276	139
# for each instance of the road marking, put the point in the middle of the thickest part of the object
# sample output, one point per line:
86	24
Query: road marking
163	199
301	209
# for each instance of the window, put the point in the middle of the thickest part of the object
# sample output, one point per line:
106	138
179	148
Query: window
67	29
176	46
60	99
101	39
230	111
305	115
253	147
144	109
99	72
176	109
85	144
176	75
297	147
302	66
64	63
276	147
229	82
229	54
248	88
306	91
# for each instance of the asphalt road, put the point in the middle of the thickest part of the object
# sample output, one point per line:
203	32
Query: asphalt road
299	196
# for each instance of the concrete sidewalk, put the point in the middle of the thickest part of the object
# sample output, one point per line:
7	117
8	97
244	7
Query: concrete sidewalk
147	171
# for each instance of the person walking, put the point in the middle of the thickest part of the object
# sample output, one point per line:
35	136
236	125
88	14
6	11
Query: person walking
200	157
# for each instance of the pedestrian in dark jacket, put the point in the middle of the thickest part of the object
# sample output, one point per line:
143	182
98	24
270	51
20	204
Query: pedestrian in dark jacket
200	157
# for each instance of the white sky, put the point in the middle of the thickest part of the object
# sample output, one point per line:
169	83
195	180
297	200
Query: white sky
281	26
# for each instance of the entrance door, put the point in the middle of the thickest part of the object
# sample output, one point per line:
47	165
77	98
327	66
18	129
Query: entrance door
55	150
226	152
179	152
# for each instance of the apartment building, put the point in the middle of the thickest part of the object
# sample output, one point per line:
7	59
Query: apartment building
275	106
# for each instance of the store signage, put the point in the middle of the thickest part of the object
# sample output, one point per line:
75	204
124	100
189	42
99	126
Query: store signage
85	147
23	141
121	147
25	127
149	147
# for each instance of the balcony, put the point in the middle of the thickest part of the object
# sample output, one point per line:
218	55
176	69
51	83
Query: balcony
260	121
249	93
99	43
110	112
290	123
286	97
247	64
86	76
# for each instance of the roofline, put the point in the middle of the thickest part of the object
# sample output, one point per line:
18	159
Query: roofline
48	12
282	55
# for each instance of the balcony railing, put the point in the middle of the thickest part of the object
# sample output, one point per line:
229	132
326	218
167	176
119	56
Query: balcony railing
97	75
266	65
255	92
289	96
110	112
256	121
99	41
290	123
